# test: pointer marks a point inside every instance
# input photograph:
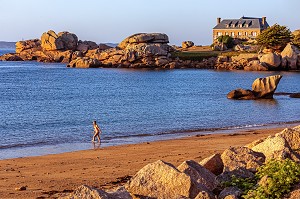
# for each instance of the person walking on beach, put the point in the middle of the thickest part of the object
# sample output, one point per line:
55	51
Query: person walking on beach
97	132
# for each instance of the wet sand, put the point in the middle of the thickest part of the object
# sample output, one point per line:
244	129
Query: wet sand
55	175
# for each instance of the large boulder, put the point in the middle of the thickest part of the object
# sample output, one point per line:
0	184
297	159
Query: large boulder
241	94
51	41
85	191
69	40
84	62
213	163
144	38
255	65
84	46
27	44
187	44
199	174
10	57
236	158
290	56
292	137
230	191
163	180
271	59
265	87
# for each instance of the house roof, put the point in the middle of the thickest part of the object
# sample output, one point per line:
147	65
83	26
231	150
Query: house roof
242	23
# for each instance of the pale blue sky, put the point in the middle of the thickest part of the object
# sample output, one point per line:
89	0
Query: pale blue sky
113	20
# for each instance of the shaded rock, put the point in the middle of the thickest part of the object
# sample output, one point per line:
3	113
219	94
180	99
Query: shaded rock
84	62
222	59
199	174
241	94
234	192
226	176
242	157
84	46
219	47
104	47
69	40
204	195
163	180
247	57
213	163
22	188
144	38
265	87
10	57
85	191
295	95
295	193
119	193
27	44
51	41
290	56
255	65
187	44
271	59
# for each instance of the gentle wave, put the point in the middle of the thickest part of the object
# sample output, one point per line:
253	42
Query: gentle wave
172	132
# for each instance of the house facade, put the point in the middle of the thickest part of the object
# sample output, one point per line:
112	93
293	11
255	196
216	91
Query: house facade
243	28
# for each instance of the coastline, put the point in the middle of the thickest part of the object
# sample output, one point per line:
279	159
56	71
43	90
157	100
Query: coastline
42	150
55	175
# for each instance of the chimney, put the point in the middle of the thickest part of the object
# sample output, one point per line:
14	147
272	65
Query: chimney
264	19
218	20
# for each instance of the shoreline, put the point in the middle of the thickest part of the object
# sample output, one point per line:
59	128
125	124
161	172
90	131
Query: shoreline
36	151
55	175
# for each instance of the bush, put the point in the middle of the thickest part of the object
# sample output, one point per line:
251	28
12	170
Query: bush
296	40
275	179
275	37
227	40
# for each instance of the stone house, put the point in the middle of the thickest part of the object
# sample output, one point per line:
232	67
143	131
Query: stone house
243	28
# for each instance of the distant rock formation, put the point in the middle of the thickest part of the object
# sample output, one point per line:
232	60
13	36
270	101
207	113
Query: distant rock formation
262	88
187	44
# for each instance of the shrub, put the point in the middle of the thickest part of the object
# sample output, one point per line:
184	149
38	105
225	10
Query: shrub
227	40
275	37
296	40
275	179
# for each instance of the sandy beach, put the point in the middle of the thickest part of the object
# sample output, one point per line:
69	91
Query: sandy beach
55	175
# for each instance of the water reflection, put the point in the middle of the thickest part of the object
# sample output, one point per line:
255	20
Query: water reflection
266	102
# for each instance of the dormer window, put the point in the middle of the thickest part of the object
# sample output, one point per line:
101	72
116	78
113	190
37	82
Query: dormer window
233	25
227	25
246	25
240	25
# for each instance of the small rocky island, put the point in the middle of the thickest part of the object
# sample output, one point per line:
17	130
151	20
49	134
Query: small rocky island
146	50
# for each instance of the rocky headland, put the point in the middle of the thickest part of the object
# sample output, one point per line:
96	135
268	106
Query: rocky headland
144	50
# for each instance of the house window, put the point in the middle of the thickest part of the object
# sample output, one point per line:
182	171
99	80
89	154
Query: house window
226	33
232	34
254	34
239	33
219	34
240	25
246	33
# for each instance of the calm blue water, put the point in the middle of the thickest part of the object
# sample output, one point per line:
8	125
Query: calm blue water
48	108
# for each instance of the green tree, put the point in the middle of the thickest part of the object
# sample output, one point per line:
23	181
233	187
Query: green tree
226	39
275	37
296	40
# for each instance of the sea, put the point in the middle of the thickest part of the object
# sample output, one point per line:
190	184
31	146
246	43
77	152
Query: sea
49	108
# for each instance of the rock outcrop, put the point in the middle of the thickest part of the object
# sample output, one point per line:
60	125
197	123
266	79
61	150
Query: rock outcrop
187	44
236	158
163	180
271	59
290	57
262	88
213	163
199	174
51	41
192	181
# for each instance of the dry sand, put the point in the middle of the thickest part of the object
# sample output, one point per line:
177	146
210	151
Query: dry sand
55	175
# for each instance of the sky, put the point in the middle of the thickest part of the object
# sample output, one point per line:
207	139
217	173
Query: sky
111	21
